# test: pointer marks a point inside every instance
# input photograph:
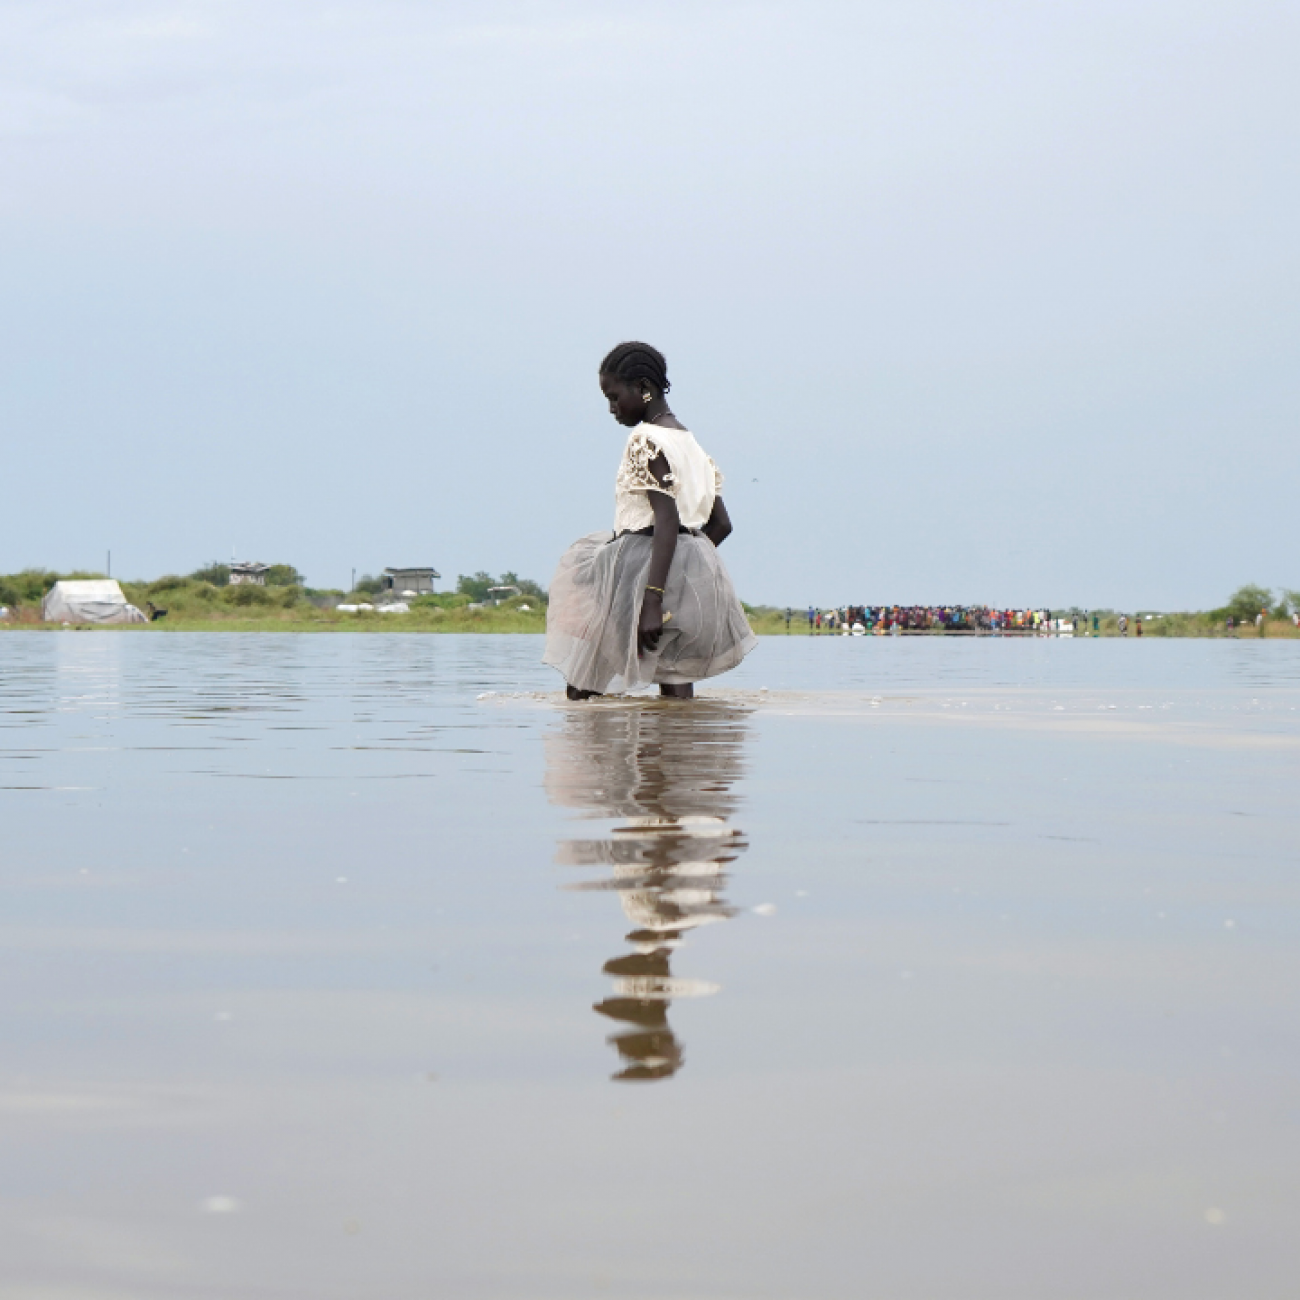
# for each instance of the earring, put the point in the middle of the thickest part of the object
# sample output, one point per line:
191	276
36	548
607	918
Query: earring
645	397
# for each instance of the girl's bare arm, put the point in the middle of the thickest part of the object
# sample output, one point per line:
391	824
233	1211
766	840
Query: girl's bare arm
718	529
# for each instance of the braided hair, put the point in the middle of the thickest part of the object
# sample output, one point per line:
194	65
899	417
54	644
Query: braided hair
633	361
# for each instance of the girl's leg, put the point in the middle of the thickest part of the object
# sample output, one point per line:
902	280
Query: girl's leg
677	690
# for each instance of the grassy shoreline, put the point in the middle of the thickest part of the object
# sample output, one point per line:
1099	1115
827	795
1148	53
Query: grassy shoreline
507	620
1203	626
434	621
198	604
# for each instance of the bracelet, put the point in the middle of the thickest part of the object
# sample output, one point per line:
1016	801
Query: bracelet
660	590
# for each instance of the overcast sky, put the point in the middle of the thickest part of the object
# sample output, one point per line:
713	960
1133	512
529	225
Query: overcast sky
970	301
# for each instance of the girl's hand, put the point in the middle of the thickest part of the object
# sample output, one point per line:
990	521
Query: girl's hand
650	625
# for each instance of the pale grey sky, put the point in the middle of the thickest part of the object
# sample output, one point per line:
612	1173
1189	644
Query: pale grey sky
971	301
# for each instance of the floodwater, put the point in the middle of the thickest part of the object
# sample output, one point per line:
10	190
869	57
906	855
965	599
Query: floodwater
367	967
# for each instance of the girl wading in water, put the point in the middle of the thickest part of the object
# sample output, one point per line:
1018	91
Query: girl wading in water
649	602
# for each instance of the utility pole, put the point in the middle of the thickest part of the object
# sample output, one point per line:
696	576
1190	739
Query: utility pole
353	587
110	564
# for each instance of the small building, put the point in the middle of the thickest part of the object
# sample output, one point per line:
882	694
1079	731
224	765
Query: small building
249	571
410	582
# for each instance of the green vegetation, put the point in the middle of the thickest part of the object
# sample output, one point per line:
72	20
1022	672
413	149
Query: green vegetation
25	589
768	620
283	575
216	573
478	586
1245	603
306	617
196	602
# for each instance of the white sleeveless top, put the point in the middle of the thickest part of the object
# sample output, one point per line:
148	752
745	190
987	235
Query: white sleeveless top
694	480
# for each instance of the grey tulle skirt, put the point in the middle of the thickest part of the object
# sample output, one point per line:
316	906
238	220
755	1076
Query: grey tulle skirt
595	602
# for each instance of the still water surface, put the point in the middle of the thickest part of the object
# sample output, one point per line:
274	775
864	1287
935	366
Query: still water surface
367	967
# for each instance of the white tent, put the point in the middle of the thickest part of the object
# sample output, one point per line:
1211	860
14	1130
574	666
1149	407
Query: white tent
100	601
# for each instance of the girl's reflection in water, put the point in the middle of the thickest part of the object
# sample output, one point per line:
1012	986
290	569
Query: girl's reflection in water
670	770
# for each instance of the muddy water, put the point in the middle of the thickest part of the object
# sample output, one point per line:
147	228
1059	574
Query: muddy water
361	966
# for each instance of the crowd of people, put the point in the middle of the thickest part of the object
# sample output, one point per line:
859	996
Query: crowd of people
883	620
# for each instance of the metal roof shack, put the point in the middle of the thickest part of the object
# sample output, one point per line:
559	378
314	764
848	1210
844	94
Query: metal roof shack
410	582
249	571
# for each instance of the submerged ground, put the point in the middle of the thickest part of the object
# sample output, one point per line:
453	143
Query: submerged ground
355	967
